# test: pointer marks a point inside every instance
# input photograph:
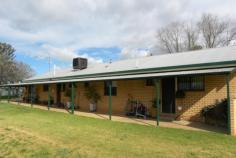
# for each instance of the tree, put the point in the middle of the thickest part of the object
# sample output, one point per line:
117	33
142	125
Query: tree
178	37
22	71
6	61
191	35
209	32
215	31
171	37
10	69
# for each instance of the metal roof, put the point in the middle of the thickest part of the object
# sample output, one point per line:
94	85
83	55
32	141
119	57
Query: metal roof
207	58
138	76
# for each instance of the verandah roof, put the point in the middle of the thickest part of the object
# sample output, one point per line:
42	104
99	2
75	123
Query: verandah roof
138	76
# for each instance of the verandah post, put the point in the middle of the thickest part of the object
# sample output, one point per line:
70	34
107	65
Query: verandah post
72	98
228	103
157	86
110	99
49	97
31	95
0	94
18	95
8	95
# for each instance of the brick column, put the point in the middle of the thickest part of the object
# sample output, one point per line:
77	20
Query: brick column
232	85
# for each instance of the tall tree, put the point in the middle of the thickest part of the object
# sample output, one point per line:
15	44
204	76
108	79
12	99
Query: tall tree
10	69
209	32
22	71
171	37
215	31
191	37
178	37
6	61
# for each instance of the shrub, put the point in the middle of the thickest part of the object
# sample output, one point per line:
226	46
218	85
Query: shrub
216	114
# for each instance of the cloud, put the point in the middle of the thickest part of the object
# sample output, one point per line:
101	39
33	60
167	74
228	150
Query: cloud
127	53
63	54
64	26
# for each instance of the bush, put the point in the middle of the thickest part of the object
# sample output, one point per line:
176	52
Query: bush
92	95
216	114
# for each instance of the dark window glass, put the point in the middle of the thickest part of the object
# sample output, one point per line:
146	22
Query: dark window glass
113	89
63	87
45	87
70	85
86	84
149	82
29	89
191	83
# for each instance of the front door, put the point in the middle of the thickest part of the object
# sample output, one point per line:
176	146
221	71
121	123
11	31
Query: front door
168	95
58	94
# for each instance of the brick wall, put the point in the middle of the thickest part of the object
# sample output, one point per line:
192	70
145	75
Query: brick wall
194	101
192	104
232	78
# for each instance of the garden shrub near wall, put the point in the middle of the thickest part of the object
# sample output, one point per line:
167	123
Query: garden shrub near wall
216	114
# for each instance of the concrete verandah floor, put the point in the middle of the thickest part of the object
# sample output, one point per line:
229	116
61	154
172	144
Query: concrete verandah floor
187	125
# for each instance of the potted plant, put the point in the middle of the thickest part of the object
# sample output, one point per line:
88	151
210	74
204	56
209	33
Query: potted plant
93	97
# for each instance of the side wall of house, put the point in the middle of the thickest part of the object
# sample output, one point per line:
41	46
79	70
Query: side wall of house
194	101
191	105
232	93
135	89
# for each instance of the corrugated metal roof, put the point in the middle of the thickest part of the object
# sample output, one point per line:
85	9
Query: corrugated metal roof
185	59
138	76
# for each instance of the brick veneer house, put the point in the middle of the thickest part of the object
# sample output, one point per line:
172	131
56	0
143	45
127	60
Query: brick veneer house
180	85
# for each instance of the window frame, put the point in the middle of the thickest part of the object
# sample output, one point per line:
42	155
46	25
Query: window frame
86	84
113	89
45	88
63	87
190	82
149	82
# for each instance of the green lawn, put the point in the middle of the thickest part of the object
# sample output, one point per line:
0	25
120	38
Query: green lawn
29	132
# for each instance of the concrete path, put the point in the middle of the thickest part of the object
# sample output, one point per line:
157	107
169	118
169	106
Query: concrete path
149	122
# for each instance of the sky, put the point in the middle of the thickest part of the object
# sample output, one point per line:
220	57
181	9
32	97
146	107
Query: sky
100	30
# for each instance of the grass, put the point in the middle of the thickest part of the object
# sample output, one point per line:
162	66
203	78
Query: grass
29	132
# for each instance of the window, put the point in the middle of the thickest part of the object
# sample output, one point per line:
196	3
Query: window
63	87
113	89
45	87
191	83
70	85
86	84
29	89
149	82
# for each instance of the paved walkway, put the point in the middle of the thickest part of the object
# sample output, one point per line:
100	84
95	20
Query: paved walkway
149	122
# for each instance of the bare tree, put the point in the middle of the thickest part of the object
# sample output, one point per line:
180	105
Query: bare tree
191	37
209	32
229	35
178	37
215	31
171	37
22	71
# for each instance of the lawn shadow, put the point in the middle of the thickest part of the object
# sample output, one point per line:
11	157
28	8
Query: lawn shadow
205	127
101	116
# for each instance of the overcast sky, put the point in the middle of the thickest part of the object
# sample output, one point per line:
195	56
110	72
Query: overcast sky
97	29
